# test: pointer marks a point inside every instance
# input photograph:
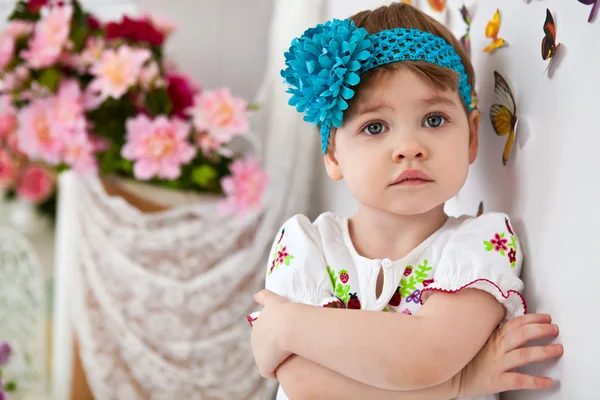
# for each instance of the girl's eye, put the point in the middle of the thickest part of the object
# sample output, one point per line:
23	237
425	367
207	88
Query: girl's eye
374	128
435	121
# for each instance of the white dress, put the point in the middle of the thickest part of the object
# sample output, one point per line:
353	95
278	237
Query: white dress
316	263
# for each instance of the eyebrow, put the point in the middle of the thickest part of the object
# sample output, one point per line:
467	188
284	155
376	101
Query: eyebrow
369	108
438	99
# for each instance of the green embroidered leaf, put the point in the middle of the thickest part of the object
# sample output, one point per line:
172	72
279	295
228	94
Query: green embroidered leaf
513	265
502	252
407	286
332	276
421	273
339	288
385	309
502	235
488	245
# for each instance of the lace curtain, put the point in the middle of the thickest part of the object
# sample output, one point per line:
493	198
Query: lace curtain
158	300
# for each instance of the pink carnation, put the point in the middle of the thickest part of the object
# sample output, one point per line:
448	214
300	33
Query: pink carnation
8	169
149	76
37	139
35	184
7	49
220	114
159	147
117	71
79	153
91	54
50	37
67	112
244	188
8	118
18	28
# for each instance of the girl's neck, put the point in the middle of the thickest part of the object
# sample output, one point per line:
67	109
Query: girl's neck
376	234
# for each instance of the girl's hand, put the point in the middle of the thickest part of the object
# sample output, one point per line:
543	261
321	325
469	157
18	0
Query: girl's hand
493	370
266	337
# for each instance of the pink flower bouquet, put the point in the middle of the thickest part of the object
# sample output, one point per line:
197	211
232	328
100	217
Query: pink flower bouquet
101	98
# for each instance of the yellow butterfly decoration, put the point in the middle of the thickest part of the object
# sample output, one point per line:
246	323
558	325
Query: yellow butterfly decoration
503	114
491	31
406	1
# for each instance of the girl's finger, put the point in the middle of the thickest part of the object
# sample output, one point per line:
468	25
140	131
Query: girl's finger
518	381
518	337
527	355
525	320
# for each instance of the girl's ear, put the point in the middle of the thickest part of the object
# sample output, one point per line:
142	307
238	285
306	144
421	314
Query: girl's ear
473	135
332	165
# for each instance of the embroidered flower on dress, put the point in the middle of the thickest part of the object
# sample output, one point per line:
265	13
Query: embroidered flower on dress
512	256
281	256
414	298
499	242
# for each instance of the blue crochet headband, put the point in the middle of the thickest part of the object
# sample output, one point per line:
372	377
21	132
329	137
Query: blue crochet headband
328	59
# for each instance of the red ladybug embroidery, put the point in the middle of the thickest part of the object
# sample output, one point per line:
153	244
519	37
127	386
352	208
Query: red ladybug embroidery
407	271
354	302
427	282
396	298
344	276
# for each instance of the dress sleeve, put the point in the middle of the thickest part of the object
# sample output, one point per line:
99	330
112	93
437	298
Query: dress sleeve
484	253
296	268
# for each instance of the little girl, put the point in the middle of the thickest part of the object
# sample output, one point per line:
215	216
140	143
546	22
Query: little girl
390	91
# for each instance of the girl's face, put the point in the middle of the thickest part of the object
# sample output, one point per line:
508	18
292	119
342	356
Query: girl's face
406	148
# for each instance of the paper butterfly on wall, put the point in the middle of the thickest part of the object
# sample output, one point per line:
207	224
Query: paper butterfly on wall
594	8
549	45
491	31
437	5
503	114
466	38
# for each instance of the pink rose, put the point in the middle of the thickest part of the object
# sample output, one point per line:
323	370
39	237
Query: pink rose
35	184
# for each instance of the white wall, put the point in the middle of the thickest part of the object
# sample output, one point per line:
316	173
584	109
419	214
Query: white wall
550	187
220	43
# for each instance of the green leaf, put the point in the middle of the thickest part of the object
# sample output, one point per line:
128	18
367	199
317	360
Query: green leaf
253	107
332	276
78	36
62	167
158	102
11	386
21	11
339	288
50	77
502	252
204	176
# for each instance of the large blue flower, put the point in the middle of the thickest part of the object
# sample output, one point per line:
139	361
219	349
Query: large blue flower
322	65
